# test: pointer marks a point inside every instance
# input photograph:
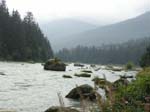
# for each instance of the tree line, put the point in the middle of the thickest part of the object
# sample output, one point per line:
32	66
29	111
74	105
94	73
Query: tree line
107	54
21	39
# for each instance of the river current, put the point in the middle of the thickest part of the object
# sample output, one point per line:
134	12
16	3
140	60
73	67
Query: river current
26	87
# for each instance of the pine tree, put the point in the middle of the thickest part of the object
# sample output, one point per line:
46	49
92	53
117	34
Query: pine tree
4	24
21	40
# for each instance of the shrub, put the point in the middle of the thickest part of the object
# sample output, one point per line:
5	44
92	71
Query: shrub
129	65
133	97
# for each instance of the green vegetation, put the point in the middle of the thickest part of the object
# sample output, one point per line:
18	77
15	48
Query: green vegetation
129	65
21	40
135	96
123	96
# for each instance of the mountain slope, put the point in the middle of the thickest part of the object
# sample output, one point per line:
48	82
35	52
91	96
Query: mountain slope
137	27
58	29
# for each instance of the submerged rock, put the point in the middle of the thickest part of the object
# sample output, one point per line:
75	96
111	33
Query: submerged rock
55	65
93	65
61	109
83	75
31	62
86	71
1	73
117	69
67	76
101	82
97	69
78	65
125	77
82	92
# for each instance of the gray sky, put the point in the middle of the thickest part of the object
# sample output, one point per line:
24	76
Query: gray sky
90	10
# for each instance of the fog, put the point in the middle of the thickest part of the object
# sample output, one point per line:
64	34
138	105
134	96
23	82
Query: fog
93	11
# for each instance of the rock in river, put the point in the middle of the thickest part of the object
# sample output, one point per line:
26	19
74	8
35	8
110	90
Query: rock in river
55	65
83	75
1	73
61	109
84	91
67	76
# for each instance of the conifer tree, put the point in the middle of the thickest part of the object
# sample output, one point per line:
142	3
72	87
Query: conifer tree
21	40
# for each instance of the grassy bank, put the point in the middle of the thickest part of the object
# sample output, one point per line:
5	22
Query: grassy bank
131	97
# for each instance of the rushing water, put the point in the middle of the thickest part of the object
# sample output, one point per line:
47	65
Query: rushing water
27	87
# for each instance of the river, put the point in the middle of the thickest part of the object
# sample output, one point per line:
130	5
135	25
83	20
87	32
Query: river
26	87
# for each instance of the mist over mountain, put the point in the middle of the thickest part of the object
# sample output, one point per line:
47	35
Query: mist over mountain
70	33
58	29
130	29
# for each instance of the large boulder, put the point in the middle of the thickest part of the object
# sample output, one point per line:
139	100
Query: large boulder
61	109
55	65
82	92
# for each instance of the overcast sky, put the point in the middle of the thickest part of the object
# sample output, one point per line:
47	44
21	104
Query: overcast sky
90	10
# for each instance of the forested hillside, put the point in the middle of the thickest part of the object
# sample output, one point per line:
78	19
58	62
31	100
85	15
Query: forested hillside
21	40
107	54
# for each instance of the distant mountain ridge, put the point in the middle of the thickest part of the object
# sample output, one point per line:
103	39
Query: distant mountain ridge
135	28
56	30
90	35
